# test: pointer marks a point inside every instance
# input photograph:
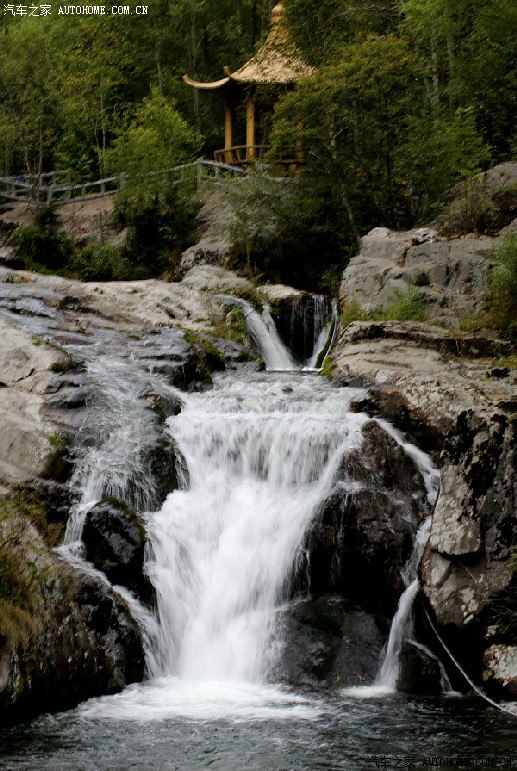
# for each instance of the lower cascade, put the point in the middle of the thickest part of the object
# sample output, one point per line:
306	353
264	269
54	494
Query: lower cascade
260	460
255	458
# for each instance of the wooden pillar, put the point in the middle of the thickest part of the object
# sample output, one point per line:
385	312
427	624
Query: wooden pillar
250	129
228	126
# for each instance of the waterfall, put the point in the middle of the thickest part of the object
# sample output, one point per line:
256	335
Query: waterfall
261	456
264	334
401	629
402	626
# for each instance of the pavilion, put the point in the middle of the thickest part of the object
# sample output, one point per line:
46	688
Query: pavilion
277	66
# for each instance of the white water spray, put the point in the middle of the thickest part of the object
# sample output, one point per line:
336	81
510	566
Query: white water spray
260	461
264	334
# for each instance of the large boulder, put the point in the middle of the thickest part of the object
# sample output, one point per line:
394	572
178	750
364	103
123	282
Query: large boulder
114	541
65	637
468	575
328	642
363	536
451	275
31	442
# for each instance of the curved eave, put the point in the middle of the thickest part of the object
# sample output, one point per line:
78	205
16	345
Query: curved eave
216	84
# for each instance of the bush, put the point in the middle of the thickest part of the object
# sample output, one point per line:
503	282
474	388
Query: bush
502	306
158	229
41	245
402	306
101	262
286	231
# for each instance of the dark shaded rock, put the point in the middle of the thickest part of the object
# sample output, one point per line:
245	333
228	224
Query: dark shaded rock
329	642
164	461
83	642
419	671
114	540
388	402
365	531
346	381
167	352
164	405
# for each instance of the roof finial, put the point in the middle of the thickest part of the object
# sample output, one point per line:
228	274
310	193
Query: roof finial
277	13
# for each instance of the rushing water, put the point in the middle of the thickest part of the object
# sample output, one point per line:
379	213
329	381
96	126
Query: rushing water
261	450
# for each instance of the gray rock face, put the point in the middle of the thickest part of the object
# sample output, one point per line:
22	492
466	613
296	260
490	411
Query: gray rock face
451	276
501	669
84	642
466	569
462	407
364	534
421	377
26	450
213	242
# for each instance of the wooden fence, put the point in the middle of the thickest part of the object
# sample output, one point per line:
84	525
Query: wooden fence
54	186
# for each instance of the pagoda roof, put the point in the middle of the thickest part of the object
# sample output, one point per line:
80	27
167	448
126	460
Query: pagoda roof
277	62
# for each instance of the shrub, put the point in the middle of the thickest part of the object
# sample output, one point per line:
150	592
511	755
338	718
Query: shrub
286	231
101	262
41	245
401	306
158	229
502	305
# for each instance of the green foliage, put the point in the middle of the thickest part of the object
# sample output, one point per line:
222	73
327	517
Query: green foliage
101	262
158	229
156	139
503	287
279	227
41	244
366	128
324	28
232	329
401	306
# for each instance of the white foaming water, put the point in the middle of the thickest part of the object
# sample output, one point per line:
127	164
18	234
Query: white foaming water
262	453
260	461
264	334
402	624
118	432
167	698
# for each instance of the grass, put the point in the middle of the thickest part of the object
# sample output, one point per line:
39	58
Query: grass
402	306
502	305
19	596
57	440
236	330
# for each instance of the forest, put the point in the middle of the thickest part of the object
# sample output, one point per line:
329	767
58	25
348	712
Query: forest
409	99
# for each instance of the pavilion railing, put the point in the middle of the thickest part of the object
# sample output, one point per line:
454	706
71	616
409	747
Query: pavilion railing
241	155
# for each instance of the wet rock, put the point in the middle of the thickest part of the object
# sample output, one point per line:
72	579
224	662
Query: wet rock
163	462
114	541
81	639
164	405
329	642
364	533
419	671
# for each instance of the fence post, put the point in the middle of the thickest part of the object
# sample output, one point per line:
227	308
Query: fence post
199	175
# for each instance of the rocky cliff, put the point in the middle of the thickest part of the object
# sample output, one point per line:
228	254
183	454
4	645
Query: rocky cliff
456	395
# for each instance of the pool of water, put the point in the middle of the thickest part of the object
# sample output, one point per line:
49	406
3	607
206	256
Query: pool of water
175	725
